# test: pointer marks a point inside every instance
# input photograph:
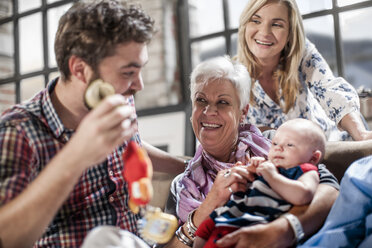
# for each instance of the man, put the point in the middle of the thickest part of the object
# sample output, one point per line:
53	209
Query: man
349	221
61	164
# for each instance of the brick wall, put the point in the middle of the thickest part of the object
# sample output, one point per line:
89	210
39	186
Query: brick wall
160	75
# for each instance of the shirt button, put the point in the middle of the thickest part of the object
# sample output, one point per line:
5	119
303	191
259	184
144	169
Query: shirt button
111	173
111	199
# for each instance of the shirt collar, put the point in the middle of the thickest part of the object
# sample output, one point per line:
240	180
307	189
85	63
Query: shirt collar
45	110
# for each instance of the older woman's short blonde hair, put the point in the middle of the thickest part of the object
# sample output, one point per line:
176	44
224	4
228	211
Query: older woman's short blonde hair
223	68
291	56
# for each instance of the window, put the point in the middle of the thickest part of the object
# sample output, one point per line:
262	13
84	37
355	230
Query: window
339	29
27	29
27	60
339	32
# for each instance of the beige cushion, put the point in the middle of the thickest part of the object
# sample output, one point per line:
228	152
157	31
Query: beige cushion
161	183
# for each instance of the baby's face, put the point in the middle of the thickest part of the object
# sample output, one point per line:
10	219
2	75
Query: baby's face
290	148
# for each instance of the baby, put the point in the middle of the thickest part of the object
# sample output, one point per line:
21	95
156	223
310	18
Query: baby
289	177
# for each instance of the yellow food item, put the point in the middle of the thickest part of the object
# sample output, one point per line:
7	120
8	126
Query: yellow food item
158	227
96	92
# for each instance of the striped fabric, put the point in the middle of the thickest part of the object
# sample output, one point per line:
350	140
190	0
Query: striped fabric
31	134
259	204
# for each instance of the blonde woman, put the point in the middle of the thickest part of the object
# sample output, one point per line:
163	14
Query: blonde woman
290	77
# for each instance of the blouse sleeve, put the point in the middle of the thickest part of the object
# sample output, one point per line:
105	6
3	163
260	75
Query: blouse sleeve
336	96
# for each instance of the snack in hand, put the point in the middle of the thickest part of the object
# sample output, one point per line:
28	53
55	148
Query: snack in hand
96	92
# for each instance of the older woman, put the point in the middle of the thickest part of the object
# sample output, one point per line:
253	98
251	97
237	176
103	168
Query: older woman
291	78
220	94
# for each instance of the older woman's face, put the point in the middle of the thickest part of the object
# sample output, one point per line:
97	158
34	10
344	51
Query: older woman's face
266	33
216	116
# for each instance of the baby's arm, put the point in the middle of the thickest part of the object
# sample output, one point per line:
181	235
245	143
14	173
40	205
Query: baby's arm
297	192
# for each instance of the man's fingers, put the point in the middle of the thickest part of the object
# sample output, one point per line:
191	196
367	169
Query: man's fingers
108	104
228	240
113	113
119	116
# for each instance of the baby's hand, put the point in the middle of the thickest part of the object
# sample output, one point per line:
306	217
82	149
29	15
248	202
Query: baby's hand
266	168
256	161
250	169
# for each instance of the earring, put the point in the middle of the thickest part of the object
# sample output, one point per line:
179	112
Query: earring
190	119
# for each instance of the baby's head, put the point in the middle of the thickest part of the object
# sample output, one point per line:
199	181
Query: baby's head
296	142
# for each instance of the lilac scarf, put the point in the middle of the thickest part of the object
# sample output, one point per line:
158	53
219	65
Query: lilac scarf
201	171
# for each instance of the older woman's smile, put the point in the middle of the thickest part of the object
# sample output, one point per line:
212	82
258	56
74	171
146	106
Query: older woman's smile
216	115
210	125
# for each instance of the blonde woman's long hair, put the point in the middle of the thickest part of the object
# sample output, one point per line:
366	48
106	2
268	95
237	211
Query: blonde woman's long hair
287	72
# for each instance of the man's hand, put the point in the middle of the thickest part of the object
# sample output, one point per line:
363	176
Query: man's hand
103	129
274	234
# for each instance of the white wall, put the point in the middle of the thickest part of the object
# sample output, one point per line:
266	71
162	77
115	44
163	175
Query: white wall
164	129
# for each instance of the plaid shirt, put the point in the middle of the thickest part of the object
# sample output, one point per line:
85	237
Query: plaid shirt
31	134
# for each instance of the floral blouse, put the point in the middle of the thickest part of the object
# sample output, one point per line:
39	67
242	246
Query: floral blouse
323	98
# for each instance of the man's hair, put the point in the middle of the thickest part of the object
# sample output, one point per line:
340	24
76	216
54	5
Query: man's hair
92	29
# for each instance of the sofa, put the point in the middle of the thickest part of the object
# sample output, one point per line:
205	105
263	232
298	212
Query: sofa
337	159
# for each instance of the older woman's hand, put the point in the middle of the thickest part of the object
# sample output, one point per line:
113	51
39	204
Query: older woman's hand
227	182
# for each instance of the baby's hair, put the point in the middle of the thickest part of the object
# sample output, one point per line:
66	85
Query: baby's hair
314	133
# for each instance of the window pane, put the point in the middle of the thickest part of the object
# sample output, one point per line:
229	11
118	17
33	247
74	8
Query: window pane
357	46
31	86
6	50
24	5
31	44
7	96
234	44
307	6
161	73
203	50
6	8
53	75
235	9
160	76
206	17
53	18
320	31
348	2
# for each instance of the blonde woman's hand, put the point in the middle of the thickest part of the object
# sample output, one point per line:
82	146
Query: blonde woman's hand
366	135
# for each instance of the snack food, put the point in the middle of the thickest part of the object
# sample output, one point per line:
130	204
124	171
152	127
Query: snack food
96	92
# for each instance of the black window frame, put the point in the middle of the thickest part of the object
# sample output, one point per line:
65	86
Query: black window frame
185	51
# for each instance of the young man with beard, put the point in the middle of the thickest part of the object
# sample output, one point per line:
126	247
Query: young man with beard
61	164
